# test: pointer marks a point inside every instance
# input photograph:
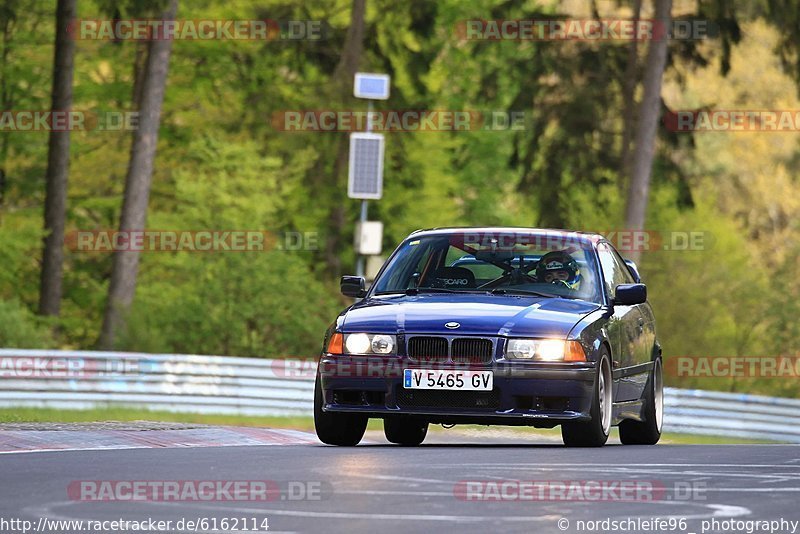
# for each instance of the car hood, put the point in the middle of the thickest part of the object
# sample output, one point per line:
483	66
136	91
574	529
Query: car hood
487	315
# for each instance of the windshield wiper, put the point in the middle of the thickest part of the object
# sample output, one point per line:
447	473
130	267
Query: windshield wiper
504	291
417	290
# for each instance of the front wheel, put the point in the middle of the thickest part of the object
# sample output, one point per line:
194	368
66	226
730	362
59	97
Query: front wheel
345	429
594	433
647	432
405	431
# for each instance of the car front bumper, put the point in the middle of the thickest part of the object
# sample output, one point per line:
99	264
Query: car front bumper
525	393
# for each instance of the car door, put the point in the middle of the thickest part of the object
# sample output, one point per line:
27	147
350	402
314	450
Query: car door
648	332
646	327
626	327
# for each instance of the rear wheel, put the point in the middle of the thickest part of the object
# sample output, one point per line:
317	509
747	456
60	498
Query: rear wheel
594	433
405	431
332	428
647	432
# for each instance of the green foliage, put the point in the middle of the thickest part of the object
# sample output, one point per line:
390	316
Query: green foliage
263	304
20	328
708	301
253	303
20	240
784	308
222	165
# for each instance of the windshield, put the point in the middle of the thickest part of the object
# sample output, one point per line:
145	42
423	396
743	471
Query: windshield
515	264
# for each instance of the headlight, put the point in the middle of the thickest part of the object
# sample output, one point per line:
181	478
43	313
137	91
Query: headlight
370	344
545	350
550	350
357	343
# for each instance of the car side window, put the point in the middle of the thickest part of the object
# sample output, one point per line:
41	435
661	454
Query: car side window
407	275
625	272
615	272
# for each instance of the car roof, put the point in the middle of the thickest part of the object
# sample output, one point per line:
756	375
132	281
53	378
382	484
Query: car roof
588	237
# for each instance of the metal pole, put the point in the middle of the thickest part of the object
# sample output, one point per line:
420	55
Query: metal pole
363	217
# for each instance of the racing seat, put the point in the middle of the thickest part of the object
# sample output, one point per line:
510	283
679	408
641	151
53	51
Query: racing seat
453	278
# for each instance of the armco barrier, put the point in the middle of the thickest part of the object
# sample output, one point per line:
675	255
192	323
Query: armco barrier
740	415
159	382
259	387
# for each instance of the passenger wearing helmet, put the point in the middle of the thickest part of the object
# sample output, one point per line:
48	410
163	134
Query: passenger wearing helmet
560	268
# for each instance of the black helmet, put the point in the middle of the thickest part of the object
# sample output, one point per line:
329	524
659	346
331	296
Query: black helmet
558	260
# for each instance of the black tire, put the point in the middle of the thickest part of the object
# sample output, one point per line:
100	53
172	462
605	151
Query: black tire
594	433
344	429
405	431
647	432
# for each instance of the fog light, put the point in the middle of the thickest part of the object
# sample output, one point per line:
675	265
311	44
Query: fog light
382	344
521	349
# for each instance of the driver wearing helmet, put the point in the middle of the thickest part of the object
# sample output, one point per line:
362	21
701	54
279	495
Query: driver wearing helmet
560	268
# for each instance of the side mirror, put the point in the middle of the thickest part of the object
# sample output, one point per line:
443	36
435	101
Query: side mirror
353	286
634	271
630	294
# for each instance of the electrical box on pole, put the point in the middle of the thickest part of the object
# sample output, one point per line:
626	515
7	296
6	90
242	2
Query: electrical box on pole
369	238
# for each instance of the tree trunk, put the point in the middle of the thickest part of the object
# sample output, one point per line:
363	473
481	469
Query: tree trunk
352	48
628	102
139	66
55	204
644	147
343	76
125	267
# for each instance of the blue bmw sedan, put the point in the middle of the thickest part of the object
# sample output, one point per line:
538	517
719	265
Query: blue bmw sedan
494	326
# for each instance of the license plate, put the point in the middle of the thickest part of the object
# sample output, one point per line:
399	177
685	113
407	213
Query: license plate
443	379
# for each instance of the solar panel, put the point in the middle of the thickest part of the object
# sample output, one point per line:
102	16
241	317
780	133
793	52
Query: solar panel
365	176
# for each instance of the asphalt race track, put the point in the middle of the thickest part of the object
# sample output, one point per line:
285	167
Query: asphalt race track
377	487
